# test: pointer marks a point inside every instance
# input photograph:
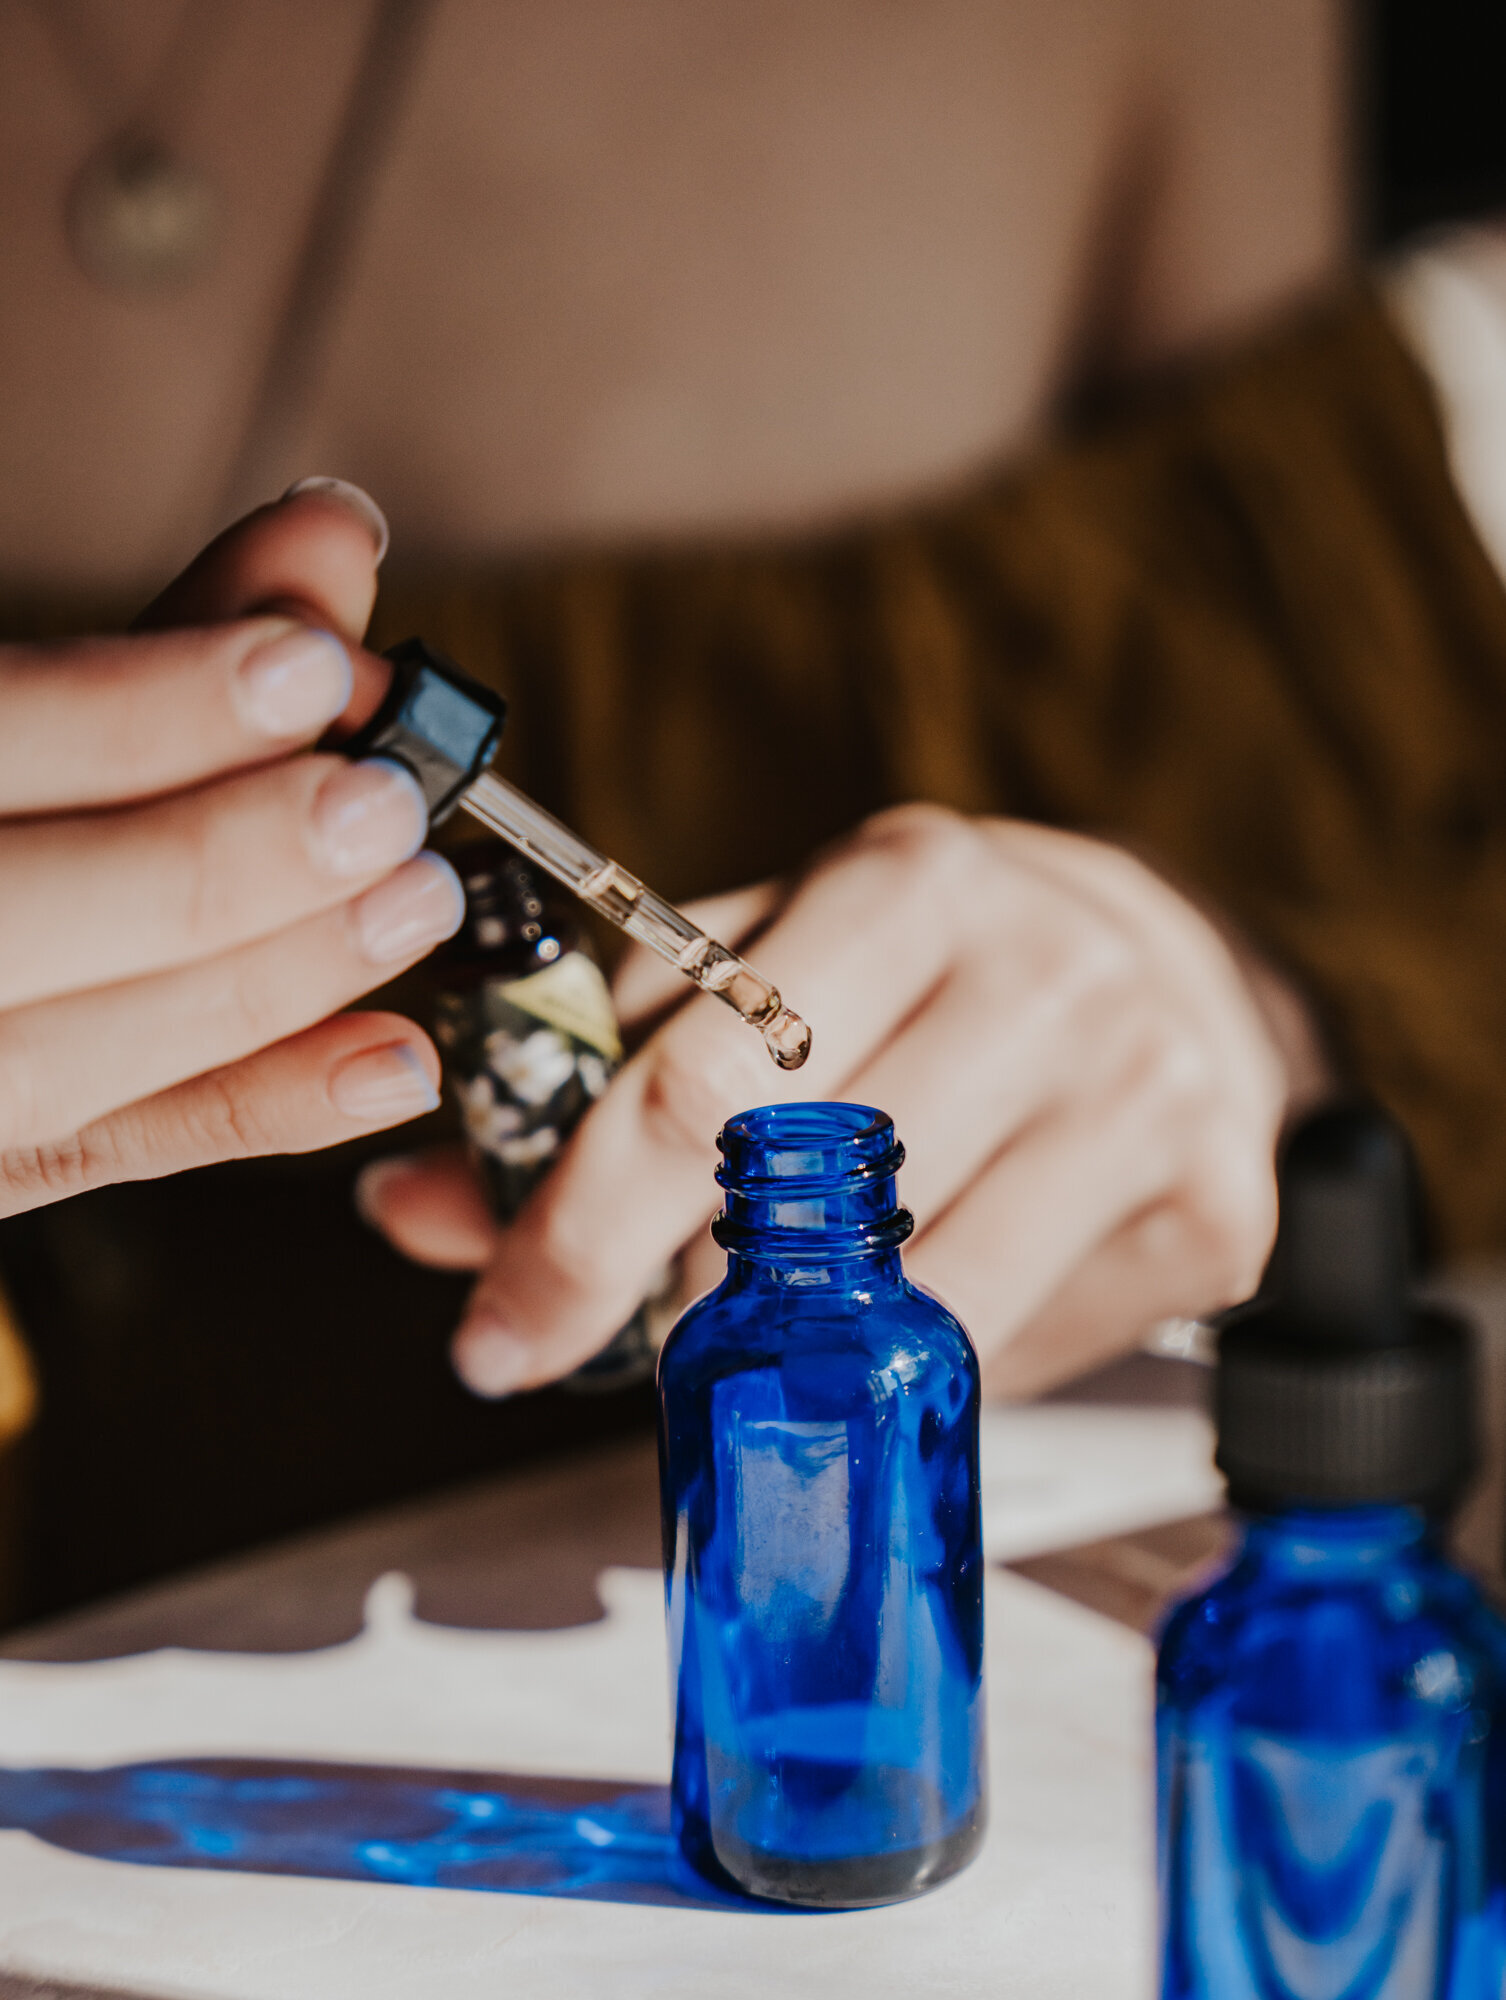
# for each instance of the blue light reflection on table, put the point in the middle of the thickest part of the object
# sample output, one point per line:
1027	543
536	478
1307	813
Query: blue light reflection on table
600	1840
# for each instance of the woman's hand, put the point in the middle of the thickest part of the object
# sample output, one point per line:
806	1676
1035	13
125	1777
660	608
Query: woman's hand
184	901
1088	1090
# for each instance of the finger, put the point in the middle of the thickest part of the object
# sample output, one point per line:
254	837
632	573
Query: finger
701	1264
1184	953
1001	1250
431	1207
1143	1272
69	1061
857	950
100	721
316	549
190	876
645	984
1167	1261
312	555
358	1073
1050	1011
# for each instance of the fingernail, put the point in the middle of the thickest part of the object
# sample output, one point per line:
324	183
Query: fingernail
489	1359
367	816
355	499
418	907
385	1083
370	1181
293	685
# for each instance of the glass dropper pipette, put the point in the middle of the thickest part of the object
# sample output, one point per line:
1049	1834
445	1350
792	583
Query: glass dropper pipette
444	726
624	901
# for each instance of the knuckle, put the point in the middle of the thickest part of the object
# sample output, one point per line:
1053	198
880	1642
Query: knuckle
1176	1069
1070	982
1117	869
1230	1202
173	870
247	1008
1088	961
223	1120
931	844
1079	953
1157	1079
916	820
191	863
34	1175
1118	874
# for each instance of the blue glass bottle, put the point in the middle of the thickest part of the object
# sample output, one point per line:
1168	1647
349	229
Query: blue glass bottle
823	1555
1331	1735
1330	1771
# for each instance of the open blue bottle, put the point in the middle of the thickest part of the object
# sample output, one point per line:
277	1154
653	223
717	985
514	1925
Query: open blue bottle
1331	1737
818	1430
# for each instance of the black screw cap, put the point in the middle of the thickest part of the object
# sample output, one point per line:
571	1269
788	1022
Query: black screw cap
436	721
1334	1386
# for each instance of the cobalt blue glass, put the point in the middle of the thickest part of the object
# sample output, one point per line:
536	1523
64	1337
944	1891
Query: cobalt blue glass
818	1430
1331	1802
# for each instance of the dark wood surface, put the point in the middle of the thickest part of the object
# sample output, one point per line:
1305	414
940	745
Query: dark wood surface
1133	1578
522	1550
519	1551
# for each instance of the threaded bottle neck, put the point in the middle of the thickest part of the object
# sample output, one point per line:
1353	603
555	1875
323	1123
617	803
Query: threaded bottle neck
810	1184
1304	1541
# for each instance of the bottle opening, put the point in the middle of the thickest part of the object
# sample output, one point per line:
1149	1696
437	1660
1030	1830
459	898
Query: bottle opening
817	1142
810	1182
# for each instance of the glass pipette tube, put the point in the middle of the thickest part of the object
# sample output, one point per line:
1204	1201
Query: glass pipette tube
625	901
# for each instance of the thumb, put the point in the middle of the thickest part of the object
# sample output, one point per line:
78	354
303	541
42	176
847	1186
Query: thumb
312	554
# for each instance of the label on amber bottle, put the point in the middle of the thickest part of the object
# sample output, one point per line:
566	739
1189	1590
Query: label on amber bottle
573	996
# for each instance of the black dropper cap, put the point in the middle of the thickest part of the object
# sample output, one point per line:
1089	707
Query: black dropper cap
1335	1387
437	721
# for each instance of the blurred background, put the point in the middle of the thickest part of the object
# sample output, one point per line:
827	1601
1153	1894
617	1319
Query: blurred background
1430	142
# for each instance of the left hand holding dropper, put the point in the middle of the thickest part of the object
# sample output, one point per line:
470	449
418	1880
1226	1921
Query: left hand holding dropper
189	894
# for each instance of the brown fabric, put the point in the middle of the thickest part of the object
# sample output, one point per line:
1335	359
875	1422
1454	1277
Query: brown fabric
1248	630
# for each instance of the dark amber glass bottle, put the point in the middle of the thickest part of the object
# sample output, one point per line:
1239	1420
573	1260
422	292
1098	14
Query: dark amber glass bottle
525	1022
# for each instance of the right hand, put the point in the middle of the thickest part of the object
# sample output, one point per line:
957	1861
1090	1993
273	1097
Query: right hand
187	896
1088	1073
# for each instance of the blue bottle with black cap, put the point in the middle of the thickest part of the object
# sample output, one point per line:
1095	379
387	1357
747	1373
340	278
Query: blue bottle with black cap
1331	1736
818	1428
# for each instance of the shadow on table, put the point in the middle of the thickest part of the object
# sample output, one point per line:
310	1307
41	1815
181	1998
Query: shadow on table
599	1840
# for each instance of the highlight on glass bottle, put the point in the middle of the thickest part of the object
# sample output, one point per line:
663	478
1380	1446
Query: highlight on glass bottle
824	1574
